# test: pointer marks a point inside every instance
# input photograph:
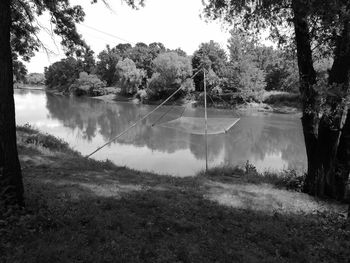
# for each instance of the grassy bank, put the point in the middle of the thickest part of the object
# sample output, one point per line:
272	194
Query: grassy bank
81	210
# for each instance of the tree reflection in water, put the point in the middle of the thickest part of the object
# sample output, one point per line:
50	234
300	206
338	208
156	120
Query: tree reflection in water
268	139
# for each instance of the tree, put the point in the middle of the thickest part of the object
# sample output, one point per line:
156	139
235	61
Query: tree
247	67
124	50
180	52
106	65
60	75
87	84
142	55
17	22
321	28
86	61
129	77
170	72
35	79
210	56
11	186
156	48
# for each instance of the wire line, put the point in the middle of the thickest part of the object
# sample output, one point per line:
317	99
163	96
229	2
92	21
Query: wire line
108	34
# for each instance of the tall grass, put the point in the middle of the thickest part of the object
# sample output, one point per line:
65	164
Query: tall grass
288	179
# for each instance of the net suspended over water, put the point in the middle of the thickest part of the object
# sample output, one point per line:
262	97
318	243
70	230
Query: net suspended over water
196	125
192	121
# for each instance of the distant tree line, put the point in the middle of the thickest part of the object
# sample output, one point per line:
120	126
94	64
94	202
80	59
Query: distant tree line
151	68
154	72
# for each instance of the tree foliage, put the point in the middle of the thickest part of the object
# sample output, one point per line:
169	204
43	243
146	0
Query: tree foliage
211	57
35	79
19	70
170	72
129	77
60	75
87	84
106	65
250	78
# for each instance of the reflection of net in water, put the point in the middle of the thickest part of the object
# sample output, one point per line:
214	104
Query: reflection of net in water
195	125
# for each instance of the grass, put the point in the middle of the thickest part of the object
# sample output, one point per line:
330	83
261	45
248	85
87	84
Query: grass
80	210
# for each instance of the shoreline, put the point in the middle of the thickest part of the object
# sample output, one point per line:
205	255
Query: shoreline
246	107
257	107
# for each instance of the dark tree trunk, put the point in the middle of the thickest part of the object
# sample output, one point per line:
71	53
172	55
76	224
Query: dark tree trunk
343	158
323	136
11	186
335	133
307	76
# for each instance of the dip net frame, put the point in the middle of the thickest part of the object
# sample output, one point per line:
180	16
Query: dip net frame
196	125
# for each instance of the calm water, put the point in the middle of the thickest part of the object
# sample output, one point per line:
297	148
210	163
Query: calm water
269	141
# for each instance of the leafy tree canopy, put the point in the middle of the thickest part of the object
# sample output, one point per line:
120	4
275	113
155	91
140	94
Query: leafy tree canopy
211	57
129	77
60	75
170	72
106	65
325	18
63	18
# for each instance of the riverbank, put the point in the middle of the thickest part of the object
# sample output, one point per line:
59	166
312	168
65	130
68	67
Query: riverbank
274	102
81	210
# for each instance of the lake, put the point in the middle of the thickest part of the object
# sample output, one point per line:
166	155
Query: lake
269	141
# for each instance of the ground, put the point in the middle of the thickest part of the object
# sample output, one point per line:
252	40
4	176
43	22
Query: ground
81	210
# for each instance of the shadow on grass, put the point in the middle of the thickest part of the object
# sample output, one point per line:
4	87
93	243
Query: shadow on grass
163	226
81	210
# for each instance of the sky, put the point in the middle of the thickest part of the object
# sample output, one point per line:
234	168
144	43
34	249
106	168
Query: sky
175	23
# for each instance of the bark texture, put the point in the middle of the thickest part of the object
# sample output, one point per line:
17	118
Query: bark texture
326	138
336	165
307	76
11	186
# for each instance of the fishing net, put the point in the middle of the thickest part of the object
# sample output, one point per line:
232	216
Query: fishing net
195	125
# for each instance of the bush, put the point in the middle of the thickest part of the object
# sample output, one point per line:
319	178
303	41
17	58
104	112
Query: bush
88	85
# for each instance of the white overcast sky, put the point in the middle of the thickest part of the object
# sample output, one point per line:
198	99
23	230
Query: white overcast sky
175	23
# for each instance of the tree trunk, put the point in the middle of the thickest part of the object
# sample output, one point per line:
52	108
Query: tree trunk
323	135
334	168
343	159
307	76
11	186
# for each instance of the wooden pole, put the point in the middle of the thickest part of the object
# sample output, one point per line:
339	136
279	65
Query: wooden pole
206	123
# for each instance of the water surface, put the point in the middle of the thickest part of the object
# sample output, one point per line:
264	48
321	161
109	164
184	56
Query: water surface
268	141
